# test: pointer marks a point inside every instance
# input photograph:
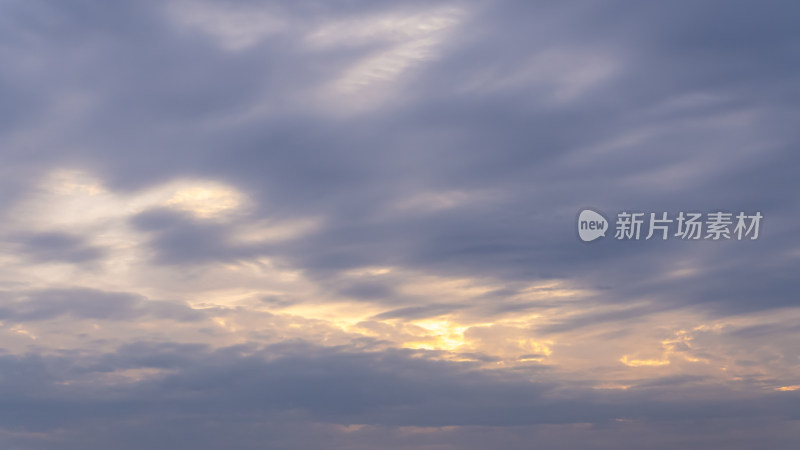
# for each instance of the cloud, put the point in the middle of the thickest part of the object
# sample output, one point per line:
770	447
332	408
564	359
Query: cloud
27	306
190	189
238	386
58	247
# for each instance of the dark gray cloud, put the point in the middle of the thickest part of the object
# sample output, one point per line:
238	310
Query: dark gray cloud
510	139
76	303
230	388
58	247
177	238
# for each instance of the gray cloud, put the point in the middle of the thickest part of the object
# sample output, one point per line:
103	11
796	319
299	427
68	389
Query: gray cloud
22	306
246	385
58	247
523	114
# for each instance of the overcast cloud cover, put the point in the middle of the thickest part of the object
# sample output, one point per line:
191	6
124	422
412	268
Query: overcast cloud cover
351	224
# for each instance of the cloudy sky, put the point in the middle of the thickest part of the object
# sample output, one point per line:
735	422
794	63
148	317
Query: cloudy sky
352	225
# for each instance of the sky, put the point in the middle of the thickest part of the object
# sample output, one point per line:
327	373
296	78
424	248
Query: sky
347	224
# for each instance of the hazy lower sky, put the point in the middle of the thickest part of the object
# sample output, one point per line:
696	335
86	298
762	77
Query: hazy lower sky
351	224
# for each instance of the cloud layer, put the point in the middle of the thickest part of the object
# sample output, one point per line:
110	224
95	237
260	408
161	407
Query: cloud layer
351	225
